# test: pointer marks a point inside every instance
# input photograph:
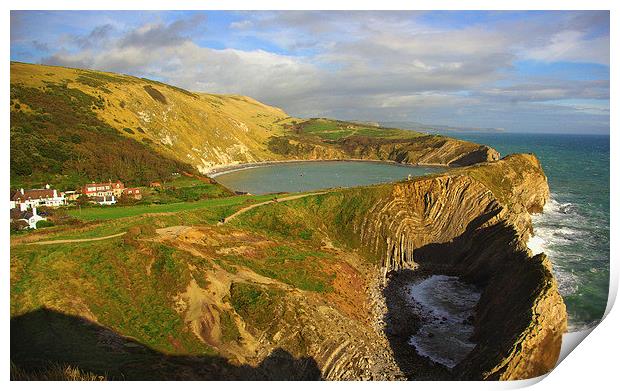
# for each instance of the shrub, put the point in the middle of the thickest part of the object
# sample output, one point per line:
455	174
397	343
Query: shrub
54	371
44	224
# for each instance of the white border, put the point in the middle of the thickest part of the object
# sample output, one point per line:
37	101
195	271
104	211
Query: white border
593	364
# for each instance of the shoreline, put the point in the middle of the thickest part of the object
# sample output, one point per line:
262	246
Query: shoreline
386	294
227	169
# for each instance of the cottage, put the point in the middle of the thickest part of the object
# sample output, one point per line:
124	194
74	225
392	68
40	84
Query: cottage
71	195
25	199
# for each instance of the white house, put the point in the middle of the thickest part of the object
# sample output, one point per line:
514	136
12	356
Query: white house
37	197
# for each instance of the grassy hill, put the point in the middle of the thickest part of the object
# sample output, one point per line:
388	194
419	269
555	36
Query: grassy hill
69	126
79	125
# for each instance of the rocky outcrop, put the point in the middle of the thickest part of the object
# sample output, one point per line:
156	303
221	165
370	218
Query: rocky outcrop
474	223
431	150
423	150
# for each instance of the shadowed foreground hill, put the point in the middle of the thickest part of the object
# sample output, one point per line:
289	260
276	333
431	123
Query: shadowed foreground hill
45	337
69	126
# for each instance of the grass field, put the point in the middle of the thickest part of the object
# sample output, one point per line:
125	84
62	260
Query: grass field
338	130
117	212
183	189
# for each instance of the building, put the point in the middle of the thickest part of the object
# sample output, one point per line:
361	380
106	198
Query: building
27	218
108	189
25	199
133	192
155	184
71	195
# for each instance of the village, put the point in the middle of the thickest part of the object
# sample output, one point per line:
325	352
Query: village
24	203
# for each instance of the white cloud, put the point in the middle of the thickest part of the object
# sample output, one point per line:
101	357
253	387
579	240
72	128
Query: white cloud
570	45
361	65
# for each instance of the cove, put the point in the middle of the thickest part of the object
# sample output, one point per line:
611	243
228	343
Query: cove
316	175
446	307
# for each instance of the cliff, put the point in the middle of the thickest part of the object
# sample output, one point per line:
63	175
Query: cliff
285	291
473	223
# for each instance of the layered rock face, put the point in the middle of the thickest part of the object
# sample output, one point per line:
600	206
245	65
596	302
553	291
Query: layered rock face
474	223
424	150
432	150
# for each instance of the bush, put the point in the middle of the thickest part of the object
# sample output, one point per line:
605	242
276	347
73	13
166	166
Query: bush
54	371
44	224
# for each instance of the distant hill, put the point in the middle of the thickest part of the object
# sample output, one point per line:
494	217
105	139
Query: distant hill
69	126
417	126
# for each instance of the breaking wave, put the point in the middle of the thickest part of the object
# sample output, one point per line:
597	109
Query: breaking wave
555	229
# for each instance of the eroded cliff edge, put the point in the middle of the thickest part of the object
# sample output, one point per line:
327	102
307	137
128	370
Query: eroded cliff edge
473	223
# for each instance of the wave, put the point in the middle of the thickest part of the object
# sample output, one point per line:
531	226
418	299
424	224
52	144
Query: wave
446	306
556	228
570	235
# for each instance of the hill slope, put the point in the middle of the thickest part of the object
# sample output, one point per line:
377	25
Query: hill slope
84	125
95	125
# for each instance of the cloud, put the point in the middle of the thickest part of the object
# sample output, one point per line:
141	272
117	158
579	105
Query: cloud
367	65
572	45
96	37
159	35
550	91
40	46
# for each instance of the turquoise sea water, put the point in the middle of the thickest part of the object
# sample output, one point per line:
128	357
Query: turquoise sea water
573	230
574	227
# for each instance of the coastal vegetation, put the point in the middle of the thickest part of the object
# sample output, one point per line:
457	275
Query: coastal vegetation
60	139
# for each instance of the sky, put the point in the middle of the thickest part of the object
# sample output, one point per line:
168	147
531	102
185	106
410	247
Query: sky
527	71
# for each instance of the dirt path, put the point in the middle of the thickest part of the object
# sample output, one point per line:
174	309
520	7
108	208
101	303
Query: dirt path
78	240
290	198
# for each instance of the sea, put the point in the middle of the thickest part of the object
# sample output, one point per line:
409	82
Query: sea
573	229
